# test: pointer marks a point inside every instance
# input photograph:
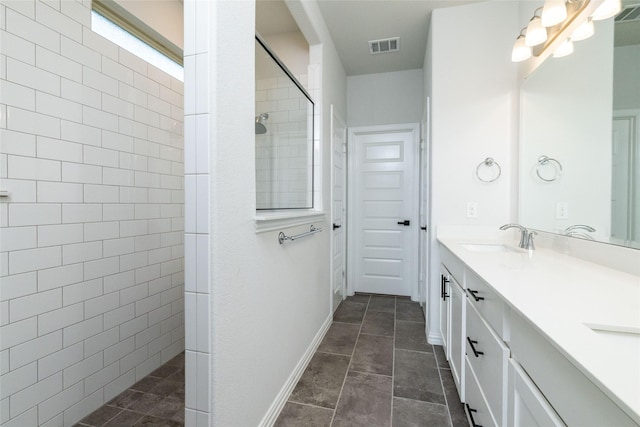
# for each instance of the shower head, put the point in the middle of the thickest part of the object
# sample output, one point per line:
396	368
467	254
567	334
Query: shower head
261	128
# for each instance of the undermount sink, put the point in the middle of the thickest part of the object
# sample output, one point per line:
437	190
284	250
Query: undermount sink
488	247
613	329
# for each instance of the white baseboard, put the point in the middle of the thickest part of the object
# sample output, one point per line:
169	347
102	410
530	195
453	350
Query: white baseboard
435	339
274	410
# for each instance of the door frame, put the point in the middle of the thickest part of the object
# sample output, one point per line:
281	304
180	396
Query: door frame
634	163
352	132
335	117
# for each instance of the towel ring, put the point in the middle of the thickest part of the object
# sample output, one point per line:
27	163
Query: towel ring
544	161
488	162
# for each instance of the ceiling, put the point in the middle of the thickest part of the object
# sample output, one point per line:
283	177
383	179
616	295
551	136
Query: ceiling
352	23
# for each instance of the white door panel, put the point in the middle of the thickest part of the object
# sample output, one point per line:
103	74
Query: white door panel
384	194
338	218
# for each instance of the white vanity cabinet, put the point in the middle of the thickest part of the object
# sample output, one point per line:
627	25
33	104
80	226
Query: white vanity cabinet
445	280
452	313
510	370
527	406
457	319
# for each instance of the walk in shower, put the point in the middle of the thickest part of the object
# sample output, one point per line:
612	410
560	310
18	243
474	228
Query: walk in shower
283	135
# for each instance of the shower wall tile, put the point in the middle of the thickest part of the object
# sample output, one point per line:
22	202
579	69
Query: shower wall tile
91	257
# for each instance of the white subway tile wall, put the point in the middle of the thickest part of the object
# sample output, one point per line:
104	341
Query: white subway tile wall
197	212
283	154
91	237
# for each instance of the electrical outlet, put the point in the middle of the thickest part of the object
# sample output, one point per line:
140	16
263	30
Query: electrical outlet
472	209
562	210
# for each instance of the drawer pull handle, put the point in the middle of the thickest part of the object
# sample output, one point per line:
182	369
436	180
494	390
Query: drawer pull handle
475	296
470	412
476	353
443	291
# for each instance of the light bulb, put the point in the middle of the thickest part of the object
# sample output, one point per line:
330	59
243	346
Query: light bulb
553	12
584	31
536	33
521	52
566	48
606	10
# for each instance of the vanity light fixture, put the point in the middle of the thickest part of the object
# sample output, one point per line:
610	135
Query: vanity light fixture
521	52
536	33
566	48
606	10
553	12
584	31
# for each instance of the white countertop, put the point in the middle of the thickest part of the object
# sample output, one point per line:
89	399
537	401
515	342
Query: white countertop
566	298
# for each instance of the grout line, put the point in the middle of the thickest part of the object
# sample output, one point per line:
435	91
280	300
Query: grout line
309	404
393	358
444	392
422	401
350	361
371	373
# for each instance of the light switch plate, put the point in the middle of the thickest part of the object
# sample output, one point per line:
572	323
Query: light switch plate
562	210
472	209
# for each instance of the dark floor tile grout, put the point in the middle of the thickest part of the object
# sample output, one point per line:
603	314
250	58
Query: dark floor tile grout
350	362
439	365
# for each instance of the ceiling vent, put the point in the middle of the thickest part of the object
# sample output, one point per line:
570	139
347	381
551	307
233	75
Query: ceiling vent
629	13
384	45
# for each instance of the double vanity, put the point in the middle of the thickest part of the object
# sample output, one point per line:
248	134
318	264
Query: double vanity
538	337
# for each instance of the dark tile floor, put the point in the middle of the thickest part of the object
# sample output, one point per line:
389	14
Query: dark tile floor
156	400
375	368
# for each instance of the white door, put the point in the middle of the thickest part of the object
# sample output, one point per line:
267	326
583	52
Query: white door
383	214
423	261
338	208
625	195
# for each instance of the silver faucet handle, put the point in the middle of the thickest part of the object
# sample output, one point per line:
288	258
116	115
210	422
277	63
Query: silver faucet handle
579	227
530	245
523	233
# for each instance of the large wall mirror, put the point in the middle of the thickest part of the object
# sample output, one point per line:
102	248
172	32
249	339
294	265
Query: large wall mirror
580	139
283	136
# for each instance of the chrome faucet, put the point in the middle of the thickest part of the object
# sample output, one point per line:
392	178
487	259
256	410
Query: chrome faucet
524	234
573	231
579	227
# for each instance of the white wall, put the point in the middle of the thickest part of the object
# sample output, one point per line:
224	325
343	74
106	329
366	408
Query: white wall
91	254
165	17
473	88
385	98
265	303
566	114
292	49
626	68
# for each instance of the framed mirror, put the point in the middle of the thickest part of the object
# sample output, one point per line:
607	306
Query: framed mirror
283	136
580	139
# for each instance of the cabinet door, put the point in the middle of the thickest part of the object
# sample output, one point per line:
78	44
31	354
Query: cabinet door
444	307
476	406
527	406
457	335
488	357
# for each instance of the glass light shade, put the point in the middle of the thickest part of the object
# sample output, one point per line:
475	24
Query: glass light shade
521	52
566	48
584	31
553	12
536	33
606	10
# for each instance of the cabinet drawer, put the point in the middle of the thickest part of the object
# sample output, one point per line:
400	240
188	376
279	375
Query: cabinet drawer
527	406
488	356
486	302
476	406
576	399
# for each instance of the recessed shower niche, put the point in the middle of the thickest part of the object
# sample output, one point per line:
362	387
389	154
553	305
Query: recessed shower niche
283	135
